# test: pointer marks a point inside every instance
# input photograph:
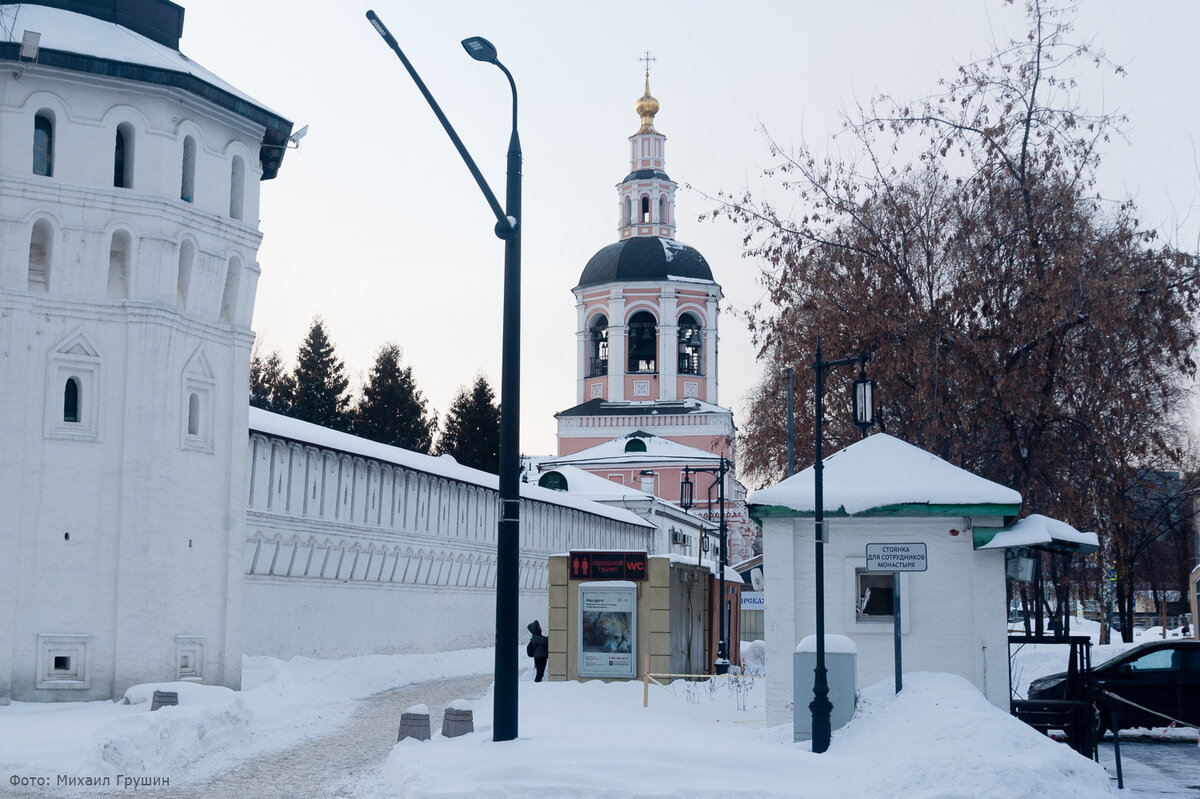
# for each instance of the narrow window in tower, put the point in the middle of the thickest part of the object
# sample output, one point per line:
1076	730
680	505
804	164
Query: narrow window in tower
690	345
229	297
71	400
187	184
183	281
598	347
237	186
662	211
625	217
43	143
193	427
39	256
645	218
642	342
123	157
118	265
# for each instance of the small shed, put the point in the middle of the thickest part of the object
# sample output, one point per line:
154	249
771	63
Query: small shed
883	491
610	610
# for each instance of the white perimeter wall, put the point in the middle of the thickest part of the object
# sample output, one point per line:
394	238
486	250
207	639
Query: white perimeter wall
346	555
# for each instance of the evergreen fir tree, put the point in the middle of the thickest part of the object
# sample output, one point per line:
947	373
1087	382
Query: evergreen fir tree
392	410
320	382
472	431
271	387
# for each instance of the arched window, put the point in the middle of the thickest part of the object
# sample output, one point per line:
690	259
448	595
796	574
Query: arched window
237	186
39	256
43	143
628	211
187	184
598	347
643	343
193	426
690	345
71	400
553	481
662	211
645	216
118	265
183	281
123	157
229	298
635	445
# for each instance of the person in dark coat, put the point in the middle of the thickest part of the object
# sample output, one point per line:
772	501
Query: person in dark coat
538	649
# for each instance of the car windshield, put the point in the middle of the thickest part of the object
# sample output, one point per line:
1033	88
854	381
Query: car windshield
1138	660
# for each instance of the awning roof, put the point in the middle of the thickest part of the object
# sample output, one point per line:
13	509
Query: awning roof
1043	532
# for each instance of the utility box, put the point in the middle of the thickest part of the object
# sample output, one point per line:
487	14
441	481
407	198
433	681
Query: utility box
840	656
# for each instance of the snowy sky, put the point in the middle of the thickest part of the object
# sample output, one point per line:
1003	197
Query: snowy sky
376	224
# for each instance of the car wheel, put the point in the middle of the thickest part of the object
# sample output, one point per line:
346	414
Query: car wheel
1103	717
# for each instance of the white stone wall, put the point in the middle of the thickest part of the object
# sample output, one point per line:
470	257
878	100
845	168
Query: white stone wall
122	532
952	616
347	555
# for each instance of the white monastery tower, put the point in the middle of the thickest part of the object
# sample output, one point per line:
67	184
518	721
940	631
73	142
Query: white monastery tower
129	191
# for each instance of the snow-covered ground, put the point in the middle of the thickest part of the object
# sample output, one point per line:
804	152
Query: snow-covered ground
938	738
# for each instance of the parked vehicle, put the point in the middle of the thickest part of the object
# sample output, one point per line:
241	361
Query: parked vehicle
1163	676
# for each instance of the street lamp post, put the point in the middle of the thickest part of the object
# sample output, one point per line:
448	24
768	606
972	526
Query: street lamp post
686	494
507	228
863	398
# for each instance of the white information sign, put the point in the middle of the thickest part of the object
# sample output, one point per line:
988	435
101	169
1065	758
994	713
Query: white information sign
754	600
607	631
897	558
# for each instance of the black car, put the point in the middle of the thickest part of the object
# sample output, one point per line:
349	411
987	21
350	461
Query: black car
1163	676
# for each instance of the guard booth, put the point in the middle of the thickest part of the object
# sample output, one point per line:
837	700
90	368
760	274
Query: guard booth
610	610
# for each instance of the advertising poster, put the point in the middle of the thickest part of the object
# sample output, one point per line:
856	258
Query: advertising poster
607	631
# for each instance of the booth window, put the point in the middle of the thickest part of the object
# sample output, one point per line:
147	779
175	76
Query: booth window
874	599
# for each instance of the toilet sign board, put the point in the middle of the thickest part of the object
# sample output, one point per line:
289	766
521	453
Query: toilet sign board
897	558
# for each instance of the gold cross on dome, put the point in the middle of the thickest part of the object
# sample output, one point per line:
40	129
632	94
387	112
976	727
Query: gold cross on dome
646	59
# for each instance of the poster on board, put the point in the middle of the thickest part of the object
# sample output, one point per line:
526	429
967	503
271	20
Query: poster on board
608	630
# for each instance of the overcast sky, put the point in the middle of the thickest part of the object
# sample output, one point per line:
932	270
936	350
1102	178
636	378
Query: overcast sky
375	224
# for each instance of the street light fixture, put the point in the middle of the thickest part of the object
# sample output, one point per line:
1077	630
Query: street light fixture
863	401
686	495
508	539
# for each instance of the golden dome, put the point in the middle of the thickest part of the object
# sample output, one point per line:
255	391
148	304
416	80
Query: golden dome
646	108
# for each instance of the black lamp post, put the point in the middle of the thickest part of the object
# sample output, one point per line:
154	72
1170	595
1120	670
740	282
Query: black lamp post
863	400
686	499
508	540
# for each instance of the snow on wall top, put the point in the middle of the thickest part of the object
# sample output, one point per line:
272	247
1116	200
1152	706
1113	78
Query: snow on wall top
273	424
1036	529
78	33
881	470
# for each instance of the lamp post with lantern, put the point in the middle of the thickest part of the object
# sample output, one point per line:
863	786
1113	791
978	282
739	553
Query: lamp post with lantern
863	402
686	500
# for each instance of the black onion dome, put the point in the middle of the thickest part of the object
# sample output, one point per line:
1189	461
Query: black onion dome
644	258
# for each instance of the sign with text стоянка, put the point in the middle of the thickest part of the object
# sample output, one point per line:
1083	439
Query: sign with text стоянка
897	558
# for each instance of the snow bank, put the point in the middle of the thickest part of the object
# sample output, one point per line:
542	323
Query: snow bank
938	738
282	704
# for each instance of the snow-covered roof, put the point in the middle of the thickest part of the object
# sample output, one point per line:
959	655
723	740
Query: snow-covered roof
273	424
591	486
1039	530
78	33
613	452
881	471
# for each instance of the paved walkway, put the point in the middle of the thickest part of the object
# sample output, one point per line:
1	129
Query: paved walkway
331	766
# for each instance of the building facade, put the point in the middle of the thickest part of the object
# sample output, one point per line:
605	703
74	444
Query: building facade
646	347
